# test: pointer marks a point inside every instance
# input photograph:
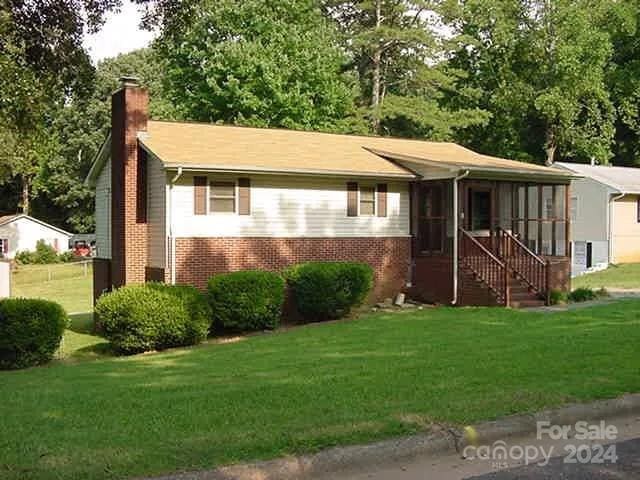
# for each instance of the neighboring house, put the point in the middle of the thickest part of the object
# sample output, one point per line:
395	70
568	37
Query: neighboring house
21	232
605	211
179	202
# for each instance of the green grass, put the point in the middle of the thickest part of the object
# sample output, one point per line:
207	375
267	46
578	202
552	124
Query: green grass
624	275
68	285
308	388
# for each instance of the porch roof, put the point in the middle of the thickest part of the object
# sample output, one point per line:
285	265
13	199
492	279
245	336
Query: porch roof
456	159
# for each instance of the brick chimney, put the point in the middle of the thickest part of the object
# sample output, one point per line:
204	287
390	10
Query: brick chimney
129	115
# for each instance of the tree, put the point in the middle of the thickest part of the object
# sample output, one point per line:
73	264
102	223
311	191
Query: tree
257	62
623	80
541	67
398	58
41	62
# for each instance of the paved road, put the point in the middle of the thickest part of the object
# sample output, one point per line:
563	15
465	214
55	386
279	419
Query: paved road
457	467
627	466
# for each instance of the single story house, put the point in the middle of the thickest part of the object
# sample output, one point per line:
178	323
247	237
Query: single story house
180	202
605	212
21	232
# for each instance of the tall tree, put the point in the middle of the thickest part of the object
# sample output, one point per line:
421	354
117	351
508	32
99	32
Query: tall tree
541	66
623	80
398	56
256	62
80	127
41	62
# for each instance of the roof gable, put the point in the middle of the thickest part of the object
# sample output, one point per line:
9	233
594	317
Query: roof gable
7	219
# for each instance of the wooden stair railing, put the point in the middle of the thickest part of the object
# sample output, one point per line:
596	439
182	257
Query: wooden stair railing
525	264
488	268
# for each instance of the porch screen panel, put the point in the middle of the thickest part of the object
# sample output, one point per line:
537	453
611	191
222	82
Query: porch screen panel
539	217
560	220
505	206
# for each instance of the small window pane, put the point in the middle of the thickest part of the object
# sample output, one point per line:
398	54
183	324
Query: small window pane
548	210
222	205
219	189
561	230
367	200
366	208
222	197
546	245
533	202
561	192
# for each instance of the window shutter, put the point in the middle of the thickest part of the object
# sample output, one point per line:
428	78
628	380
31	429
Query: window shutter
244	196
5	246
352	199
382	199
199	195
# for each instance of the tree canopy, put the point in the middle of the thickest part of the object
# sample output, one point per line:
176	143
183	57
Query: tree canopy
534	80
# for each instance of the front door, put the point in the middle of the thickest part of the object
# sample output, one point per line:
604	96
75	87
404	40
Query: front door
479	209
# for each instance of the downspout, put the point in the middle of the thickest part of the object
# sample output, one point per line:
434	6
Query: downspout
612	209
170	220
455	235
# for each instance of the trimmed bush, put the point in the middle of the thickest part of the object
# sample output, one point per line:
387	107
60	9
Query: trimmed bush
246	301
327	290
196	304
30	331
582	294
139	318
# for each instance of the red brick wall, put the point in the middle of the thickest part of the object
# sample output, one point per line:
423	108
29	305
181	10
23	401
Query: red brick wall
433	279
197	259
129	113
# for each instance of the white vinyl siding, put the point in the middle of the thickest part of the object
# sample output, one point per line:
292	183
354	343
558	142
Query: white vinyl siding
103	212
291	206
156	200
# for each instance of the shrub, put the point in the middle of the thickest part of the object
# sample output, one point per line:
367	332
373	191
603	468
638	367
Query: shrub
30	331
195	303
44	253
557	296
325	290
139	318
582	294
245	301
66	257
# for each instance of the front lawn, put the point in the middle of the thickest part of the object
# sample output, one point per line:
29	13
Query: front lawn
624	275
309	388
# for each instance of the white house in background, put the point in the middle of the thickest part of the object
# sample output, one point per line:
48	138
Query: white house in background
605	216
21	232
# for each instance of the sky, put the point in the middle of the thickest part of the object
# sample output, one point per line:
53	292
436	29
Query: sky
120	34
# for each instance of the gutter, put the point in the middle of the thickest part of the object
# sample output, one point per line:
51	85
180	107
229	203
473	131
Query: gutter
454	300
172	239
612	209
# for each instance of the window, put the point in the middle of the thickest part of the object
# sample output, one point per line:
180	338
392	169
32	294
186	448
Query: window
4	246
222	197
638	209
367	200
573	209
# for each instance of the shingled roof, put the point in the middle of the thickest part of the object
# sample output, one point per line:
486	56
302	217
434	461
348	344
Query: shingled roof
210	146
